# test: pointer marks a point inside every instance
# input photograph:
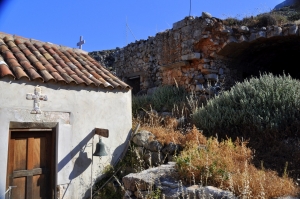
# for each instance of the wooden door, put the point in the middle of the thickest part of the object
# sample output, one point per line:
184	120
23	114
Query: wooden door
31	164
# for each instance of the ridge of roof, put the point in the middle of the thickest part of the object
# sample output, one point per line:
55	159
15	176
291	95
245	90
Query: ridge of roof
34	41
43	61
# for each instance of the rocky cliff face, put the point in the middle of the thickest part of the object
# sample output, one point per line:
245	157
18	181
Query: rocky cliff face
286	3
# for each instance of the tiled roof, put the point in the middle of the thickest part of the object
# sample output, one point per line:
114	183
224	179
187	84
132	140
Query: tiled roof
40	61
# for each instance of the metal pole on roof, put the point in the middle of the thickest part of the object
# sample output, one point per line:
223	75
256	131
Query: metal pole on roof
126	32
130	29
190	8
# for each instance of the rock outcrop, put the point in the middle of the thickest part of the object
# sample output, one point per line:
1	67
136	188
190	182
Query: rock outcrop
151	150
164	178
286	3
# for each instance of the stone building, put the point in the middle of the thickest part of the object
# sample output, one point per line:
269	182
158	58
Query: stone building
203	51
53	101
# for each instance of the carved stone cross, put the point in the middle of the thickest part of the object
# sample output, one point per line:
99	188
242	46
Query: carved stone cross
37	96
81	42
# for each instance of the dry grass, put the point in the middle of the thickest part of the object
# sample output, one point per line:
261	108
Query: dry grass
166	130
224	164
227	165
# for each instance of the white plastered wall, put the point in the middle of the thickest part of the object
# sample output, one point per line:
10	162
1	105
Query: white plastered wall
77	109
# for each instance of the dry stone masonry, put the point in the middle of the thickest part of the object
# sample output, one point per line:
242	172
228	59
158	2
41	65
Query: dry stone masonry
152	151
195	54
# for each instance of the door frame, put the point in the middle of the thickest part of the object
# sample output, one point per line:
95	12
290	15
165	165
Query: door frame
33	127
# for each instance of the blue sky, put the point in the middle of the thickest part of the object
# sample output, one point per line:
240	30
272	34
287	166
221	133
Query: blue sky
102	23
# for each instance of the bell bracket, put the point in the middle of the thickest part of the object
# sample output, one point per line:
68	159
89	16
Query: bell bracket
102	132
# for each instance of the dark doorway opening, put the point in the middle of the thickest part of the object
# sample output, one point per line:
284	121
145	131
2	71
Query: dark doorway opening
277	55
134	82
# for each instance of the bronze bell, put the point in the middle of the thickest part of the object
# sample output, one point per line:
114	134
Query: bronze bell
100	149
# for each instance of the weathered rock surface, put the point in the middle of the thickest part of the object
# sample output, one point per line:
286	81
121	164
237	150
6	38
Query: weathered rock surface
164	178
189	54
154	158
171	148
142	138
147	179
206	15
153	145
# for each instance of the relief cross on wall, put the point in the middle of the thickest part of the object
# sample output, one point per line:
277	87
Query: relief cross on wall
37	97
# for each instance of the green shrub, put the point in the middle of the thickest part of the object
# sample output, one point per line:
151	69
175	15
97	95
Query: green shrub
264	110
163	98
230	21
266	20
294	17
139	102
267	102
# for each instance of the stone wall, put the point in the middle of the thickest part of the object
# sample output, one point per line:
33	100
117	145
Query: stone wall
195	53
172	56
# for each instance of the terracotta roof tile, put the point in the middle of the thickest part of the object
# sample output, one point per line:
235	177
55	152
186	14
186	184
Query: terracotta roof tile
19	72
35	60
4	70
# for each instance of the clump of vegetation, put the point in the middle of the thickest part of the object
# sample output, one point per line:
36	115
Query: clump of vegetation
265	20
264	110
227	165
294	17
265	103
167	135
105	188
163	98
110	186
289	14
262	20
232	21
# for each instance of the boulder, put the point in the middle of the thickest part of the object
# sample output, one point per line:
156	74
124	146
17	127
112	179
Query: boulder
154	158
213	192
199	87
171	149
146	179
140	151
142	194
206	15
243	29
142	138
153	146
165	179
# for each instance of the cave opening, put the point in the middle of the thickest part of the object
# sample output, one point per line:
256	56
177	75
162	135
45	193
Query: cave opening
277	56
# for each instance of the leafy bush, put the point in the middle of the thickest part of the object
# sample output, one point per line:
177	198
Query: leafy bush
266	20
139	102
163	98
264	110
294	17
231	21
264	102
